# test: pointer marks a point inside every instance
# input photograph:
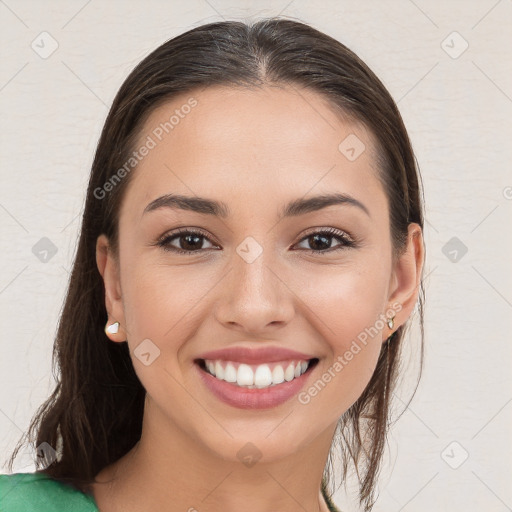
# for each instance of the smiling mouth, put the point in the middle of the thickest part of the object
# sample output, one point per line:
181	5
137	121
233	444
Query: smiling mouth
256	376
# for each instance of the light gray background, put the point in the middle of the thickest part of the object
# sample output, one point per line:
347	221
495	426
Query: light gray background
457	106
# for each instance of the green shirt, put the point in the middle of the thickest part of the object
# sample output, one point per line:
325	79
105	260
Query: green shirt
37	492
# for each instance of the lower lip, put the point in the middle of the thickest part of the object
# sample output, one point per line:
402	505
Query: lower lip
245	398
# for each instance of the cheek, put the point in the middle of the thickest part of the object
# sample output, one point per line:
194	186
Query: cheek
158	299
347	310
347	301
161	305
337	307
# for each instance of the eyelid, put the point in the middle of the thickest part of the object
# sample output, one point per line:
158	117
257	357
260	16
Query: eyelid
191	229
330	230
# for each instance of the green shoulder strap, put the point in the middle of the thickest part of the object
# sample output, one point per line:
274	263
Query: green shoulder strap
37	492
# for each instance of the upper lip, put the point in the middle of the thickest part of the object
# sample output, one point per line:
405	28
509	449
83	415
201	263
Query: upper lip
255	355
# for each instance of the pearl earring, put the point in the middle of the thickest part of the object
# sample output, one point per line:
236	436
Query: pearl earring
391	322
112	328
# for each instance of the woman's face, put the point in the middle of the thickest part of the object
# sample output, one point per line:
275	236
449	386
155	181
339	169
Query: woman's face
257	277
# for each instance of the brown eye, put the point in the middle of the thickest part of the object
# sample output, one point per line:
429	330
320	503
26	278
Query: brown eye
320	241
189	242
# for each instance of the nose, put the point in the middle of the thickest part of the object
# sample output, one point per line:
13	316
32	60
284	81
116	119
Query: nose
255	298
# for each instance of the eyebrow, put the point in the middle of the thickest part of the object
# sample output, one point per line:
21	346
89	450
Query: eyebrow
219	209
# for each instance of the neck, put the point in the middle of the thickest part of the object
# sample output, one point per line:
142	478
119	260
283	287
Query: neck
169	471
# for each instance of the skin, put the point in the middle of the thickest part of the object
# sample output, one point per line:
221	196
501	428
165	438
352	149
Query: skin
255	150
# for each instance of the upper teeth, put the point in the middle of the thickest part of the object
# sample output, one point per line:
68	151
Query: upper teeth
256	376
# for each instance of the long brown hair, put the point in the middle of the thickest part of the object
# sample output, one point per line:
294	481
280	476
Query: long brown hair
94	415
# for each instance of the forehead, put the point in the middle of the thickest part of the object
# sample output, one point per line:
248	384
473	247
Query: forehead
263	143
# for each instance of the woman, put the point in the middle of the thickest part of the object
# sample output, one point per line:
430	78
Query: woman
250	255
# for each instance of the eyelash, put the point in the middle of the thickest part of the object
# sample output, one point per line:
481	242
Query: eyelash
346	241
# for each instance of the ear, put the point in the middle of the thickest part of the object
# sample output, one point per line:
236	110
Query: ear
406	278
109	269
